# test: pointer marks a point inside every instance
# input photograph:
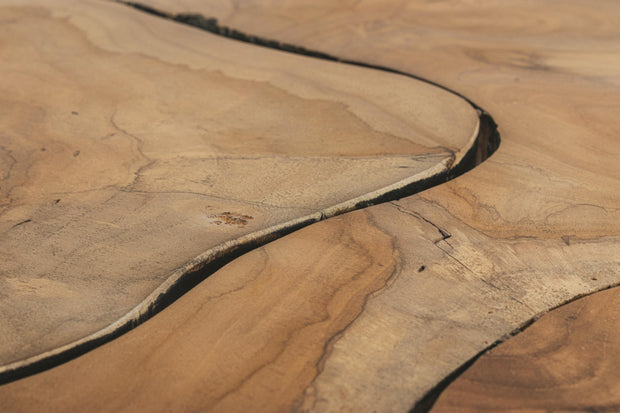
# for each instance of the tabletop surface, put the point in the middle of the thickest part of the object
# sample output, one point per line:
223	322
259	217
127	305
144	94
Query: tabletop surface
167	147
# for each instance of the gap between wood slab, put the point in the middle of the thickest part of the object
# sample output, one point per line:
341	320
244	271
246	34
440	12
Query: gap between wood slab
426	403
483	144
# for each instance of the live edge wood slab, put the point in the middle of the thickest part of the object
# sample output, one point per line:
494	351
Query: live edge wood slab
372	309
566	361
135	151
546	204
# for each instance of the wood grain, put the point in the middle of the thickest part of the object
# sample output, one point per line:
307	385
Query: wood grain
567	360
533	227
249	338
361	312
135	150
473	260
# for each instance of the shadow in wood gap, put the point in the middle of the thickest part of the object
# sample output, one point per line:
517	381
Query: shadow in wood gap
486	143
426	403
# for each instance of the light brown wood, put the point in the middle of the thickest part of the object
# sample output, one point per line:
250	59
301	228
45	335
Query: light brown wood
532	227
249	338
134	150
342	314
567	360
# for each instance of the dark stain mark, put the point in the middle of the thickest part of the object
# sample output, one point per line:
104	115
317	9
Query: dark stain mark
74	113
422	268
21	223
43	149
228	218
56	201
76	153
566	239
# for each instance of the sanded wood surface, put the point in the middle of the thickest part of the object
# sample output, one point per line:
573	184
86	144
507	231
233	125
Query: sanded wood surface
534	226
249	338
568	360
411	289
361	312
130	145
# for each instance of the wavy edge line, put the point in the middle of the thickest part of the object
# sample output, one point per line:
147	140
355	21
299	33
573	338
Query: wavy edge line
482	144
430	397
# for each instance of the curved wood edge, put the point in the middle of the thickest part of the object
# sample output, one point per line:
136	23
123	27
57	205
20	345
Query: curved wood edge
567	359
264	332
552	187
481	145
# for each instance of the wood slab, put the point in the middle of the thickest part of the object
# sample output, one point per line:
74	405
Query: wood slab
535	226
567	360
469	262
135	151
360	312
249	338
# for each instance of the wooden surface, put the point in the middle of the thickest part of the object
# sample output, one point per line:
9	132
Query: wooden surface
130	145
240	341
535	225
370	310
567	360
341	315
